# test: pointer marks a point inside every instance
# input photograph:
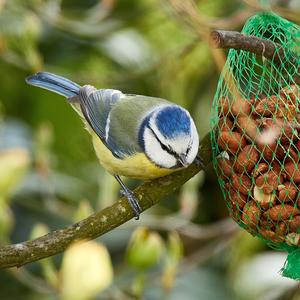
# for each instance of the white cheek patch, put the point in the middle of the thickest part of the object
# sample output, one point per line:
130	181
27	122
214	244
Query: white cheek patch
195	145
156	154
180	144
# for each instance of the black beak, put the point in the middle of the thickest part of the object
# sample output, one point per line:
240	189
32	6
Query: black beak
182	160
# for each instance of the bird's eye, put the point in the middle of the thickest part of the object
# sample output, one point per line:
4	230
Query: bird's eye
168	149
188	149
164	147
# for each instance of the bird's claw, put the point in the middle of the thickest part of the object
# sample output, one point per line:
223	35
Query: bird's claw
132	201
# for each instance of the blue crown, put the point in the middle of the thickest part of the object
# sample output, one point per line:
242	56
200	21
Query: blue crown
173	121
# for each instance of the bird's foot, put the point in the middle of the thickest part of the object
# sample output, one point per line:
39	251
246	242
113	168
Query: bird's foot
132	201
199	162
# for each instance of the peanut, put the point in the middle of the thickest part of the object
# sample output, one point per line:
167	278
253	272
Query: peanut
260	169
268	181
287	192
281	212
224	105
264	200
294	224
225	124
293	171
241	183
241	107
271	236
293	239
267	106
251	214
225	166
237	199
231	141
246	159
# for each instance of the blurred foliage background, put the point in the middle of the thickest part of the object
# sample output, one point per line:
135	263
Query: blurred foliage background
185	247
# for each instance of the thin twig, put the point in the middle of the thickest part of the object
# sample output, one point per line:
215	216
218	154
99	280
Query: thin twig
259	46
236	40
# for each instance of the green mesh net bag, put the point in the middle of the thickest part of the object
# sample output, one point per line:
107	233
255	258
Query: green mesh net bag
256	137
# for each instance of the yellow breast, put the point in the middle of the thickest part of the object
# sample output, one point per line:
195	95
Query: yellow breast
137	166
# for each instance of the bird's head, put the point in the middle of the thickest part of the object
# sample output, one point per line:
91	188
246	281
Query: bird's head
169	137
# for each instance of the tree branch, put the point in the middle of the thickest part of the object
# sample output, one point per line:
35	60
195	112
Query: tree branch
259	46
236	40
149	193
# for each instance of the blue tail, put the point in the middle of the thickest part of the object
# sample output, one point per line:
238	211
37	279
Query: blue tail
54	83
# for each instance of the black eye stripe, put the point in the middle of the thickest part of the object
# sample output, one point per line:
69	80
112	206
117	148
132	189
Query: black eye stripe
188	149
163	146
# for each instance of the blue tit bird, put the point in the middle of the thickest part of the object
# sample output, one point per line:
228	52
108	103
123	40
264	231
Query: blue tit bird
134	136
